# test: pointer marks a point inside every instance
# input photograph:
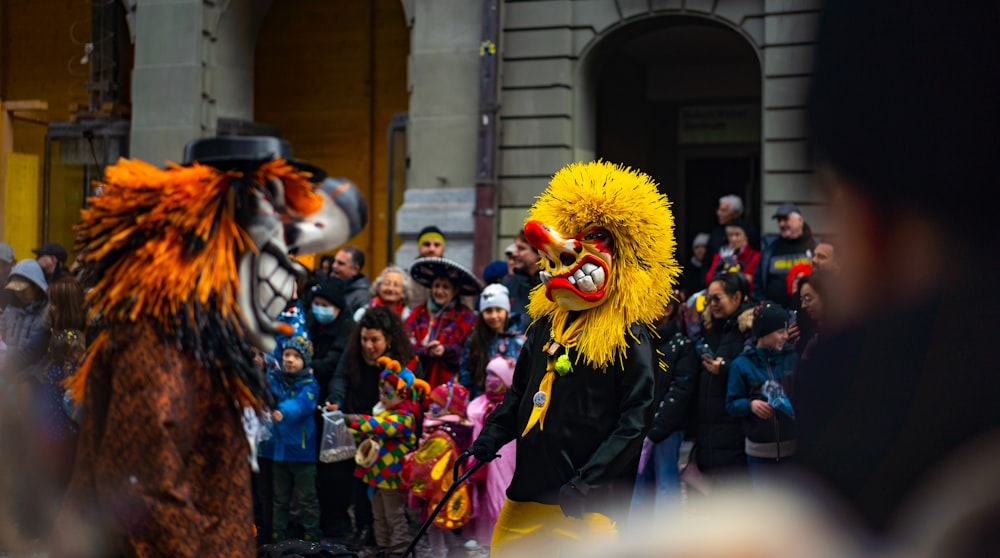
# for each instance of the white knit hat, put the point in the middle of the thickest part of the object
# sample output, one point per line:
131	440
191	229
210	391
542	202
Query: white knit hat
495	296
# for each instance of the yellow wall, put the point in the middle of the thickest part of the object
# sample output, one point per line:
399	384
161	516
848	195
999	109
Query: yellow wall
41	43
330	75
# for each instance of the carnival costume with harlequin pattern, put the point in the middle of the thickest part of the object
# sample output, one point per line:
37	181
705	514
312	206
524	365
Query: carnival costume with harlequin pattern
189	266
582	394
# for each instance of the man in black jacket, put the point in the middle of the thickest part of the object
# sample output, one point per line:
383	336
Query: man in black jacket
583	388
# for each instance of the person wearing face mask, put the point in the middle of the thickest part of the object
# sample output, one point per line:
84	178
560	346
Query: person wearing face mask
329	328
354	388
759	392
497	333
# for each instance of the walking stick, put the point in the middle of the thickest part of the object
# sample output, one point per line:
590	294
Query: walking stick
444	500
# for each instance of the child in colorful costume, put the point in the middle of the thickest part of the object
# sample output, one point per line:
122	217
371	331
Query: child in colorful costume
387	435
430	470
189	266
582	395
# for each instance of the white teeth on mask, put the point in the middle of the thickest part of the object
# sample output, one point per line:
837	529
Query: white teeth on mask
586	285
275	307
268	264
598	276
579	274
571	279
588	268
545	277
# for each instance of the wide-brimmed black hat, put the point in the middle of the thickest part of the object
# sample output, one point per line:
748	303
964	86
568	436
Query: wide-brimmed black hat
235	152
426	270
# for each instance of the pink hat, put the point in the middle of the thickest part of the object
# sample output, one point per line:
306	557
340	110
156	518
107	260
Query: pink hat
503	368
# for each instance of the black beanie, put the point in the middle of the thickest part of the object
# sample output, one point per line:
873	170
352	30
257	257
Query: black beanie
768	317
331	290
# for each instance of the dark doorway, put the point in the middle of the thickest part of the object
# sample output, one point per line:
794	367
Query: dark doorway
679	97
708	179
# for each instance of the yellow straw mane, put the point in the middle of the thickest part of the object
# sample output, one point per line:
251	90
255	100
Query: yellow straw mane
643	271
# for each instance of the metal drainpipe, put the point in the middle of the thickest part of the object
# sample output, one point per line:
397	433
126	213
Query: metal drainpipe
486	176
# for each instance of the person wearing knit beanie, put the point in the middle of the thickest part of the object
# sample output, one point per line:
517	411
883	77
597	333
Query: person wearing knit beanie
495	272
494	296
430	242
768	317
303	348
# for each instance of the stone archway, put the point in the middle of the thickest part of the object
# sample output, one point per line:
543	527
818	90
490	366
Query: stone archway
678	97
550	50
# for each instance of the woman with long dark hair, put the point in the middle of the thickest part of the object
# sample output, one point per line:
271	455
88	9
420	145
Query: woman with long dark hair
354	389
719	436
495	333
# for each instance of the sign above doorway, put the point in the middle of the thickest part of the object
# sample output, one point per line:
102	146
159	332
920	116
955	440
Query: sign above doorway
714	124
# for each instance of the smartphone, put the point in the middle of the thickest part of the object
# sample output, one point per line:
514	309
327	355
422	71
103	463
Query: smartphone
703	349
792	318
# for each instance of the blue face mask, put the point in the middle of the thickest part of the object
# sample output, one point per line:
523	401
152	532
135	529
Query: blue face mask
324	314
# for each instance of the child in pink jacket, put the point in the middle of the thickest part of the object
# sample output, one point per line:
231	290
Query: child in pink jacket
494	477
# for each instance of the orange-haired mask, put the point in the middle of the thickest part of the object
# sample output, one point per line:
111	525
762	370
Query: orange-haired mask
287	207
577	266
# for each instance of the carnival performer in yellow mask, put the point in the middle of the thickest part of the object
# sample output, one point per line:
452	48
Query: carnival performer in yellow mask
582	392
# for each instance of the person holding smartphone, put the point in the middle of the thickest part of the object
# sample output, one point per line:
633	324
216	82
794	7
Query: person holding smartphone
719	439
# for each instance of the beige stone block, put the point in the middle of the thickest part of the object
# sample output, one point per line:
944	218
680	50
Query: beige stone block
520	192
596	14
537	102
664	5
784	124
736	10
788	60
535	161
793	28
786	91
511	222
699	5
800	187
446	25
545	13
538	43
772	6
754	26
633	8
537	131
525	73
442	151
444	83
785	156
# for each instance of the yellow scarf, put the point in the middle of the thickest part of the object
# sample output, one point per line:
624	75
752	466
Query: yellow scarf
561	336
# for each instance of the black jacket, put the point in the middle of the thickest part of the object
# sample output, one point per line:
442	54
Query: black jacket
886	401
676	380
719	436
329	342
593	428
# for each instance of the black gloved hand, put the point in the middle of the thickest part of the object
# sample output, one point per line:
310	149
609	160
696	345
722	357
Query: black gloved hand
481	451
573	498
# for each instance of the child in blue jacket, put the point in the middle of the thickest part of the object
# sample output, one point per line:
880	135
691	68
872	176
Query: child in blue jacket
760	391
292	446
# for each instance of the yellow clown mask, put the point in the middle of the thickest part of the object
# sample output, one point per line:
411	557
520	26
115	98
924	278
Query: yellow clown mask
577	265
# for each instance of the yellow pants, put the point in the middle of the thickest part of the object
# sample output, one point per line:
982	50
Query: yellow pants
526	529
